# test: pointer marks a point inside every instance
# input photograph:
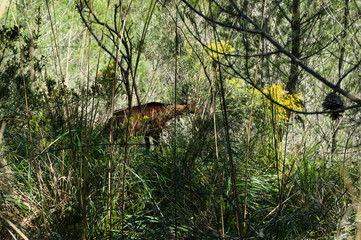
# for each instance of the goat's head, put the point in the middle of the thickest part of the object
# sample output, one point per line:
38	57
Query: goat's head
193	107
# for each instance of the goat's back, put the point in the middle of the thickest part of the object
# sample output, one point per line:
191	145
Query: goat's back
143	113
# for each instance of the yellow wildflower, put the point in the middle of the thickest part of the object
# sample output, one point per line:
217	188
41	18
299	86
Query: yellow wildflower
278	94
218	49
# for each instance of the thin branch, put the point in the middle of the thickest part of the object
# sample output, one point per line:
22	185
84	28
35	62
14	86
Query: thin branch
281	49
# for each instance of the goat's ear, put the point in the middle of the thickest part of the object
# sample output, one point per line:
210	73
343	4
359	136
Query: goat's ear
194	106
191	103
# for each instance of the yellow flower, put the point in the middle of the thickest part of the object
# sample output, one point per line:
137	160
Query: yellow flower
278	94
239	90
189	48
218	49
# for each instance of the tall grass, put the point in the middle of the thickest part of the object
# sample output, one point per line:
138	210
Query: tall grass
63	176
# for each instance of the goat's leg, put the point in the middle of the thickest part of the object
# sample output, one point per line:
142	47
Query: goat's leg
156	139
147	142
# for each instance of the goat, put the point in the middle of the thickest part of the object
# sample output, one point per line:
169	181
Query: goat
150	118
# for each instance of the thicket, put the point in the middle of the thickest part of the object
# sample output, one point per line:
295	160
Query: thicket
273	155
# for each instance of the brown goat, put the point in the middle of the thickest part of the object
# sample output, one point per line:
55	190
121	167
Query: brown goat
150	118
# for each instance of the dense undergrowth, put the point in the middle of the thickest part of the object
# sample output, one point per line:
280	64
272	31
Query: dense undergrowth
183	191
260	161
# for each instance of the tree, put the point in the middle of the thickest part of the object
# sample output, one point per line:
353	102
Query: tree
297	43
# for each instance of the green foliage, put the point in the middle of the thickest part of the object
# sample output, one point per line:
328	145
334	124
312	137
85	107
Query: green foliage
20	68
9	39
61	178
